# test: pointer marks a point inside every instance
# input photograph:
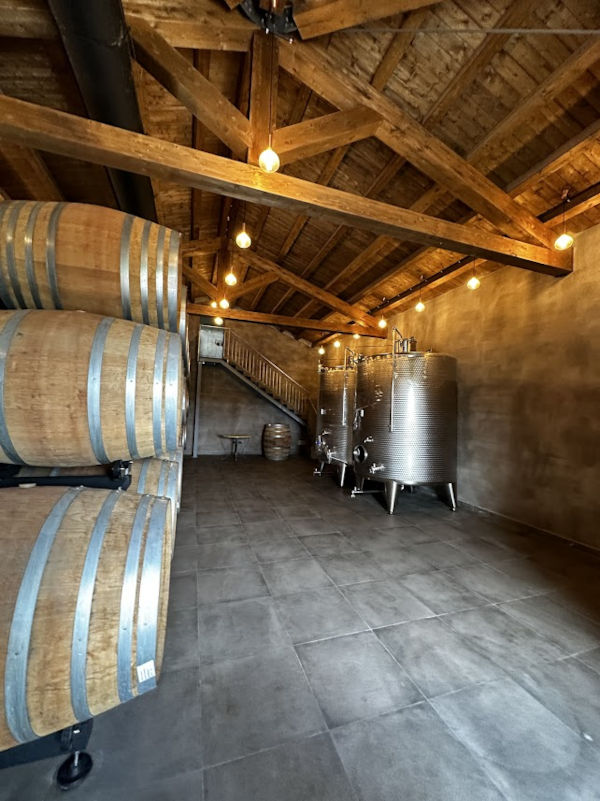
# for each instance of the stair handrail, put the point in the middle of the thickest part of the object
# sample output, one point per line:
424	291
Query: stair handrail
298	398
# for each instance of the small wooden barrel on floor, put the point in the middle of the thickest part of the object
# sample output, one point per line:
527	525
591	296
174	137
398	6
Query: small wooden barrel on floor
277	440
79	389
79	256
85	585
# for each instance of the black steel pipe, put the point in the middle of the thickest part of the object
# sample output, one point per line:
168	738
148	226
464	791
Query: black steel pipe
96	39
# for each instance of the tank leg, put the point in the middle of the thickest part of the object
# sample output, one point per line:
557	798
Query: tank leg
391	488
74	770
451	491
342	473
318	471
360	483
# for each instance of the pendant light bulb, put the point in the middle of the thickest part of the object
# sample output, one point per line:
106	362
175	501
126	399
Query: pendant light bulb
382	323
242	239
355	336
321	351
473	282
268	160
224	303
214	304
218	321
230	279
564	241
420	306
337	344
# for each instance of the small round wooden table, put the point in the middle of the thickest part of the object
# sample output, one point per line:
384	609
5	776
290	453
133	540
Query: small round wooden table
236	440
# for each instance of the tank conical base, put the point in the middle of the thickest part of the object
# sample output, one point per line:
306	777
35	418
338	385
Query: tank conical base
391	489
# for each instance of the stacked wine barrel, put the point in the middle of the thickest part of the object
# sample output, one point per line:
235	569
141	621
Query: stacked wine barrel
93	345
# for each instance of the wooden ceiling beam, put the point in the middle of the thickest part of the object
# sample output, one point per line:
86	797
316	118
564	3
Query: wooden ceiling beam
263	93
311	290
308	138
318	17
201	247
44	128
31	171
203	283
190	87
411	140
252	285
281	320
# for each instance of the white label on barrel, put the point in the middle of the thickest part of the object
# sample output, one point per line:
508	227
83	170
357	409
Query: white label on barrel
146	671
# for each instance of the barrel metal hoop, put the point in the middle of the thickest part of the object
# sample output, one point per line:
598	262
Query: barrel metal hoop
83	610
6	337
157	391
29	264
94	384
172	409
173	281
142	479
130	389
144	271
128	594
172	485
10	255
149	599
124	266
15	679
160	256
51	254
3	287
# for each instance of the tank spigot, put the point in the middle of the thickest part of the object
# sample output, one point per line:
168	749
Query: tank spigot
376	468
369	439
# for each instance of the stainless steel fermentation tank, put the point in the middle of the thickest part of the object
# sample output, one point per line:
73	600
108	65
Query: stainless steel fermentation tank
405	420
334	442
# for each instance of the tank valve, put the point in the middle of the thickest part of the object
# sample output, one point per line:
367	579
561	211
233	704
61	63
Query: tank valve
325	432
376	468
369	439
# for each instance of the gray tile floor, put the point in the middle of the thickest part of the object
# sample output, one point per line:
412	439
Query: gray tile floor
321	650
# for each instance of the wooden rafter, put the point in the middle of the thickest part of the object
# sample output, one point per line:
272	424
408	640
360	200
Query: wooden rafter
305	139
190	87
201	247
31	171
201	282
288	277
281	320
263	93
318	17
412	141
487	154
252	285
44	128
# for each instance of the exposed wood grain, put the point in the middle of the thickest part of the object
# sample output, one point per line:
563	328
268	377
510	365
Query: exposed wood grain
203	283
31	171
411	140
201	247
324	133
263	93
252	285
290	278
190	87
281	320
315	18
44	128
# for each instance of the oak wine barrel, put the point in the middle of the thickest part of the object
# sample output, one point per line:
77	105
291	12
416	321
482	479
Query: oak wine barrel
152	476
85	585
79	389
80	256
277	440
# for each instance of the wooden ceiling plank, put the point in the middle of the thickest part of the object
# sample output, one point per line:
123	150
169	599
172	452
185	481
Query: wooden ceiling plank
308	138
196	34
190	87
26	20
321	17
398	47
44	128
313	291
201	247
410	139
31	171
263	93
281	320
